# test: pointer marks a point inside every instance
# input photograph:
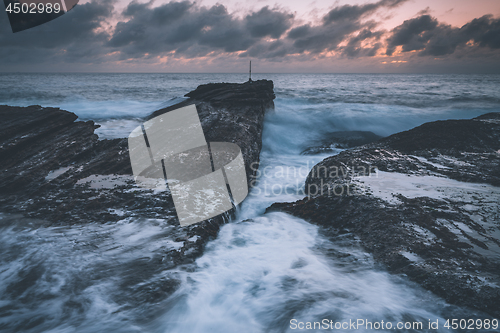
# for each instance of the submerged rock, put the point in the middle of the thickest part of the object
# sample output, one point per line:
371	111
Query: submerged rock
424	202
341	140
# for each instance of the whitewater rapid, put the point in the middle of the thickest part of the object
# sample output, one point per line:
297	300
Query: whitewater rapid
264	270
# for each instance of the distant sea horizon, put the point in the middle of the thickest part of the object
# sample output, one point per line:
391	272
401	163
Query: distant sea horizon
258	73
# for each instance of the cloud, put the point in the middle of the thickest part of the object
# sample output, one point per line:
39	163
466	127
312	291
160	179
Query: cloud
354	48
425	11
268	22
427	35
76	35
341	24
412	34
190	30
485	31
142	34
348	12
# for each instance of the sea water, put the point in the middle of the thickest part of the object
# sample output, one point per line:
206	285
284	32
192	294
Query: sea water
264	272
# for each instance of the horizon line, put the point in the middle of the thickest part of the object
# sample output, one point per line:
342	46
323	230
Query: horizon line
262	73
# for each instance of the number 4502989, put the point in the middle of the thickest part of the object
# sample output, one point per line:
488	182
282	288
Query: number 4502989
471	324
33	8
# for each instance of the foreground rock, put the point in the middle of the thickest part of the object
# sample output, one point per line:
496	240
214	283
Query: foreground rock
424	202
232	113
56	170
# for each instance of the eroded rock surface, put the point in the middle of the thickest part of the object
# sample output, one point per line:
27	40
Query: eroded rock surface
55	170
424	202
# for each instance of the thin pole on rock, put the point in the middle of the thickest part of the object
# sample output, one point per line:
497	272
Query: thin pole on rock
250	72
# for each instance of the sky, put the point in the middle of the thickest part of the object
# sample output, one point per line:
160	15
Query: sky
209	36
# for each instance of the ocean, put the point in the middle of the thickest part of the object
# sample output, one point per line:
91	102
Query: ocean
264	270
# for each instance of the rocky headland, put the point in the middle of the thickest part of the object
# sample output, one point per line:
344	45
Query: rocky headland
424	202
56	171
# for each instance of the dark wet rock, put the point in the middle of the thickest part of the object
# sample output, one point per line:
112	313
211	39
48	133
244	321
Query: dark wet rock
465	150
341	140
424	202
232	112
55	170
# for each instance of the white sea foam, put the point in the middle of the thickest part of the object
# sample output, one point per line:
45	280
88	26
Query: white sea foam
387	185
264	270
105	181
478	201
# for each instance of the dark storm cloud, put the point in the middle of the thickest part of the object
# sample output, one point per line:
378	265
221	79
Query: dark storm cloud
354	48
348	12
299	32
191	30
267	22
412	34
427	35
185	29
484	30
338	25
74	35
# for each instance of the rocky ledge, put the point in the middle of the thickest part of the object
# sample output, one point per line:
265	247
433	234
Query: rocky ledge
55	170
424	202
